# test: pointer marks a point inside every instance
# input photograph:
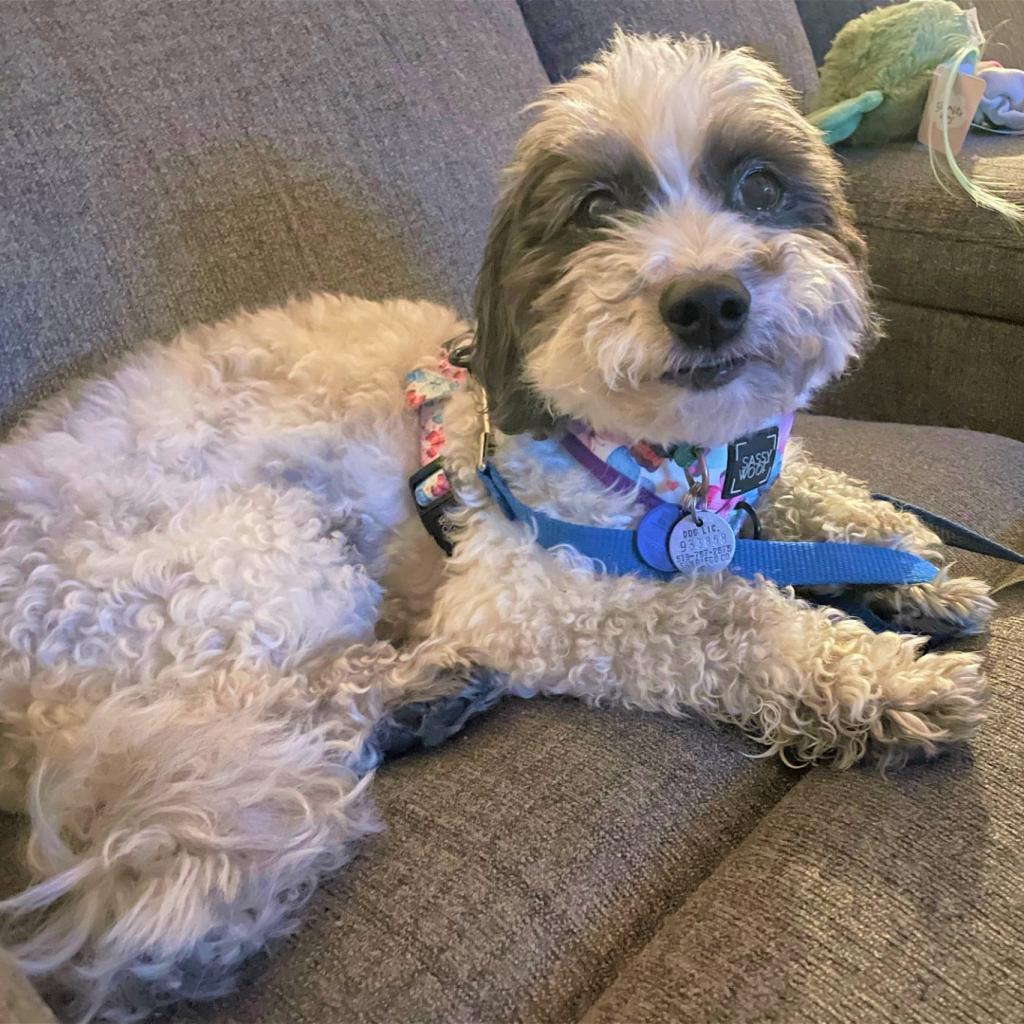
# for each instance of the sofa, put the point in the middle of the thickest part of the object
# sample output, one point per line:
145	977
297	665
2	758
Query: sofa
165	163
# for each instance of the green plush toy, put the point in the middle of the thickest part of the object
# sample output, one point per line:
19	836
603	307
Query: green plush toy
875	79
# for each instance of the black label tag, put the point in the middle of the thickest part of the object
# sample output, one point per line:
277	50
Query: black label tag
751	459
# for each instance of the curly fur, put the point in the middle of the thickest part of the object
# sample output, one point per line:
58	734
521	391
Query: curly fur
213	584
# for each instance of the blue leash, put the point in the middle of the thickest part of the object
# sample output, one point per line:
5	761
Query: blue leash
955	534
788	563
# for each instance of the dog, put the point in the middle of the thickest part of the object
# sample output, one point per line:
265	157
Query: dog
214	583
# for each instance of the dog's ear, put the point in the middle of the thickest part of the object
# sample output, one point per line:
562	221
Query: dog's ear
502	312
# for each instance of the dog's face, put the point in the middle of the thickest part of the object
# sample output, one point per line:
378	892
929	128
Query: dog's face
672	257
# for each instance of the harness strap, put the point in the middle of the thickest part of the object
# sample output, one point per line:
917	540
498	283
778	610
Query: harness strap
788	563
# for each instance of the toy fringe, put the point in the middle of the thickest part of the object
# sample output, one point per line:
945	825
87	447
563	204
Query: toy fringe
983	193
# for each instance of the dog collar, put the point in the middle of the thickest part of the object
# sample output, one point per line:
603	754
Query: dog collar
644	551
726	479
647	551
426	393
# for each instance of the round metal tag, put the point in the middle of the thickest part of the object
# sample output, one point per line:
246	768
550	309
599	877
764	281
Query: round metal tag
704	548
652	536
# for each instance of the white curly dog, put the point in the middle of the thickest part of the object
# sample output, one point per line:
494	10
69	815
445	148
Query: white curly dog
213	581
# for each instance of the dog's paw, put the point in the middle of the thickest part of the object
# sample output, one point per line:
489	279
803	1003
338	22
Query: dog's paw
884	703
947	606
938	701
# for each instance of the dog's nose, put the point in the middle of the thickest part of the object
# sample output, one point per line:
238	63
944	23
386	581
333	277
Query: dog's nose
705	312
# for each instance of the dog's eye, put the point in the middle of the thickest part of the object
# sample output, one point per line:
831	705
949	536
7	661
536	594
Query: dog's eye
596	208
759	190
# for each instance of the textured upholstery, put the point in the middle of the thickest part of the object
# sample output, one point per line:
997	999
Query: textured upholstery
896	901
948	277
166	163
937	366
568	32
936	248
972	477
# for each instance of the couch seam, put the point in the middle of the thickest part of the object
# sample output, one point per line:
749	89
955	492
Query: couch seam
657	920
948	309
997	243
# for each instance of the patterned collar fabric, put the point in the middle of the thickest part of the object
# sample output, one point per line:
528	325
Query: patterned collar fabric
737	472
426	392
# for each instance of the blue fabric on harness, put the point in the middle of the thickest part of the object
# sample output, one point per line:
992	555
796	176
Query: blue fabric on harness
799	564
788	563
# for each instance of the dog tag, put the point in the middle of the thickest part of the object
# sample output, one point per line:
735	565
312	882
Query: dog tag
701	542
652	536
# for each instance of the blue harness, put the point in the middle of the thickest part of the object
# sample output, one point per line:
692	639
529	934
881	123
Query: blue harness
646	551
788	563
618	551
428	724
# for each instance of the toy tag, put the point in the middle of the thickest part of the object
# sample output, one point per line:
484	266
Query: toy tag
963	102
701	542
977	36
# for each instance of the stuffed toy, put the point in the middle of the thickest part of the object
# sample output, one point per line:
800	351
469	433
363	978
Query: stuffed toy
875	82
876	77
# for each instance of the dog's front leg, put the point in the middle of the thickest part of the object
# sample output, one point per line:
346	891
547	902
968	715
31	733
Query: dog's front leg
810	502
803	681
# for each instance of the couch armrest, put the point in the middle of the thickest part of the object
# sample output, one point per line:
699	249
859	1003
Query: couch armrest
949	281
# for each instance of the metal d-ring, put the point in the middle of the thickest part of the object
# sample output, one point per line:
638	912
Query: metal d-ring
485	428
696	497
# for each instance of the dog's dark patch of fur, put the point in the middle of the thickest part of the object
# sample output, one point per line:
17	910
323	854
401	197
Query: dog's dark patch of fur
533	234
811	178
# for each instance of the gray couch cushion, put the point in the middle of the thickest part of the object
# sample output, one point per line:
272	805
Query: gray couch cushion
933	247
522	863
975	478
941	367
897	901
166	163
856	898
569	32
948	281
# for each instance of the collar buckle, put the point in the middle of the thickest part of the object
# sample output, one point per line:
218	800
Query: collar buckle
485	429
